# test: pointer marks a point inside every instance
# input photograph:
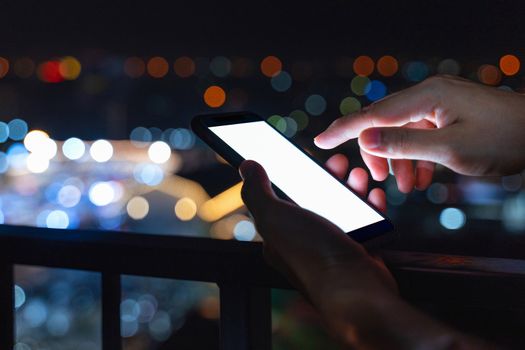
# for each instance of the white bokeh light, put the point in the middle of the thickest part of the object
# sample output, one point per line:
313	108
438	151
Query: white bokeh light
101	193
69	196
101	151
36	163
39	143
57	219
73	148
159	152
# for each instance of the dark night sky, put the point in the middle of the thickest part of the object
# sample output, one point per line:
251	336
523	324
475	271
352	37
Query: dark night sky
309	28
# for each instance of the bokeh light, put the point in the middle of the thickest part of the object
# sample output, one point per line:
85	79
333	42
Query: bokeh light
182	139
452	218
416	71
387	66
376	90
277	122
49	72
148	174
4	67
159	152
101	193
363	66
17	129
20	296
349	105
185	209
359	85
4	132
244	230
449	66
134	67
101	151
137	208
214	96
271	66
69	68
281	82
73	148
220	66
489	74
24	67
437	193
184	67
315	104
509	65
158	67
38	143
301	119
140	136
69	196
17	155
57	219
36	163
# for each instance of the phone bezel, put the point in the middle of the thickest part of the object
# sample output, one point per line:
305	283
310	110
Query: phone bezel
200	125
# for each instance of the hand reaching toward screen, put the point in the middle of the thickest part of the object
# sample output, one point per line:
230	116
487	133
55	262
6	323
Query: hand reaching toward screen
354	292
467	127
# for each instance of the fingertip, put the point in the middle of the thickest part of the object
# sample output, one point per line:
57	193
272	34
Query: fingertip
377	198
338	165
323	142
423	178
247	168
358	181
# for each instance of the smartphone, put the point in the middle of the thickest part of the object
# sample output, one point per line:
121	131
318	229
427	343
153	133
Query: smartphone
293	172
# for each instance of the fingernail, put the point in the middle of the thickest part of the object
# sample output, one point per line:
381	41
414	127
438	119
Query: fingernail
371	138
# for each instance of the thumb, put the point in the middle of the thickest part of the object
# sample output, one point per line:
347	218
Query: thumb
406	143
257	192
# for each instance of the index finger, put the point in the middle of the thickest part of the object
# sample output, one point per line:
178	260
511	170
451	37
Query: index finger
409	105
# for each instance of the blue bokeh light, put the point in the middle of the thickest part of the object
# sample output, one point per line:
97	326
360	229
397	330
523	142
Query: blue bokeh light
376	90
17	129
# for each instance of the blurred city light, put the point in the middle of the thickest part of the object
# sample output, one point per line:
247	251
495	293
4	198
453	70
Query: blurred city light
101	151
159	152
452	218
281	82
315	104
101	193
17	129
214	96
4	67
73	148
137	208
184	67
271	66
185	209
363	66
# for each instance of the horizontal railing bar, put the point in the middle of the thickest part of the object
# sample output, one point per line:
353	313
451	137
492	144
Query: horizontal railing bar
422	276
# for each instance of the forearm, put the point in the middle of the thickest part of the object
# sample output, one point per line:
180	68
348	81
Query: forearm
368	320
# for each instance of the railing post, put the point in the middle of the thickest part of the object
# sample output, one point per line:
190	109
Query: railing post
245	320
7	306
111	296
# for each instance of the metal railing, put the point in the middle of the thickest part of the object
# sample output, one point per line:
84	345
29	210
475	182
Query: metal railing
239	270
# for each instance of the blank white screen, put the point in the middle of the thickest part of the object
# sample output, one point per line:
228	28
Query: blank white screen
298	176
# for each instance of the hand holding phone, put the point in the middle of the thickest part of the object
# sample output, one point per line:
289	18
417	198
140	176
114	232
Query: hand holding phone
299	177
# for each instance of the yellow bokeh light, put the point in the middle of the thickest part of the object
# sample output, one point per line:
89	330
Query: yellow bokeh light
185	209
69	68
137	208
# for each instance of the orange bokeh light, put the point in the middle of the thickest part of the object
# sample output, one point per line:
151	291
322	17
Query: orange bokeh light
184	67
214	96
4	67
363	65
271	66
387	66
509	64
134	67
489	74
158	67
